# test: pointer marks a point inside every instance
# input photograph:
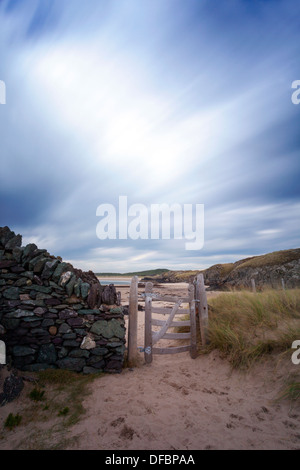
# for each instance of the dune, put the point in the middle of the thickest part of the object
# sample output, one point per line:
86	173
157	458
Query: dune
179	403
176	403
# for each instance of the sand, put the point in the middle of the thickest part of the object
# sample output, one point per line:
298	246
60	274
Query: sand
184	404
179	403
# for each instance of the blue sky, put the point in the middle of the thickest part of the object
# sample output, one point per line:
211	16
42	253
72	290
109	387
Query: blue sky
164	101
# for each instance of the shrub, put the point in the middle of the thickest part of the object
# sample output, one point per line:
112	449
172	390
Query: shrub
12	421
64	411
36	394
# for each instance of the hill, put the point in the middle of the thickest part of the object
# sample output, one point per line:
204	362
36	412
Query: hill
267	270
150	272
172	276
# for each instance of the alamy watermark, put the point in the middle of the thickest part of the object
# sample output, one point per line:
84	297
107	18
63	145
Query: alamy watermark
296	355
2	92
2	352
296	94
160	221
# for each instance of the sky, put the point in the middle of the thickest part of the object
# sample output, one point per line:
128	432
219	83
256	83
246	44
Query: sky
184	102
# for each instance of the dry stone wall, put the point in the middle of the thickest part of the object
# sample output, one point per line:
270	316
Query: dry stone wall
55	316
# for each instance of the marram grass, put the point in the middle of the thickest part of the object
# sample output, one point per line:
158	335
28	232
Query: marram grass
245	326
291	392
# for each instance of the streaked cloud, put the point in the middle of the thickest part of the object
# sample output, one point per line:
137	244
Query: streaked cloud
162	101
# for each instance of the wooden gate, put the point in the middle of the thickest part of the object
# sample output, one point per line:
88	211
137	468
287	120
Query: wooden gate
152	337
197	313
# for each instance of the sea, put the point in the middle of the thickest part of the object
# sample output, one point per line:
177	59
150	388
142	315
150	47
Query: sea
117	282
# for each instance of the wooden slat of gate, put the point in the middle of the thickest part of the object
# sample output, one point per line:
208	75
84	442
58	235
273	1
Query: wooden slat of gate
173	350
168	298
156	322
203	310
167	310
160	334
177	336
152	337
148	323
193	348
133	322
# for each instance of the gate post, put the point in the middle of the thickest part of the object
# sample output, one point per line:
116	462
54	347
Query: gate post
132	322
197	294
148	323
193	350
197	297
203	310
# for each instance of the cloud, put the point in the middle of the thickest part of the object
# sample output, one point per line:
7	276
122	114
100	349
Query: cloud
168	102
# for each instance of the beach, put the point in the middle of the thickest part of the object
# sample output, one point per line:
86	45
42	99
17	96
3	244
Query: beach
178	403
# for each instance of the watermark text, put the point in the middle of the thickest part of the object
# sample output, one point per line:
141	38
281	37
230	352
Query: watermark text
296	355
2	92
160	221
296	94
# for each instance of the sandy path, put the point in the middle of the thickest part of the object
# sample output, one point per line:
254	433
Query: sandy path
180	403
175	403
186	404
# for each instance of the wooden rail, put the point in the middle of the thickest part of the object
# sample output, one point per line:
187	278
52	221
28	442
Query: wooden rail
148	323
152	337
197	311
133	322
201	300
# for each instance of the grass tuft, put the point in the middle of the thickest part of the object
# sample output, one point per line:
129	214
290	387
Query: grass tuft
68	387
37	395
64	411
66	392
12	421
246	326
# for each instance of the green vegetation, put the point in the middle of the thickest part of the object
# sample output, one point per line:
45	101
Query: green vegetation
65	392
246	326
221	271
37	394
291	391
150	272
64	411
68	387
226	268
12	421
183	276
271	259
174	276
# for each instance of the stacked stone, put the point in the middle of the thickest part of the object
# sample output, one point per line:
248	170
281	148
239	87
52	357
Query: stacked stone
51	318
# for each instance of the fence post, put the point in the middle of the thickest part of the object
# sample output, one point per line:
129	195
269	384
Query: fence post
132	322
282	283
253	285
196	296
148	323
203	310
193	350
